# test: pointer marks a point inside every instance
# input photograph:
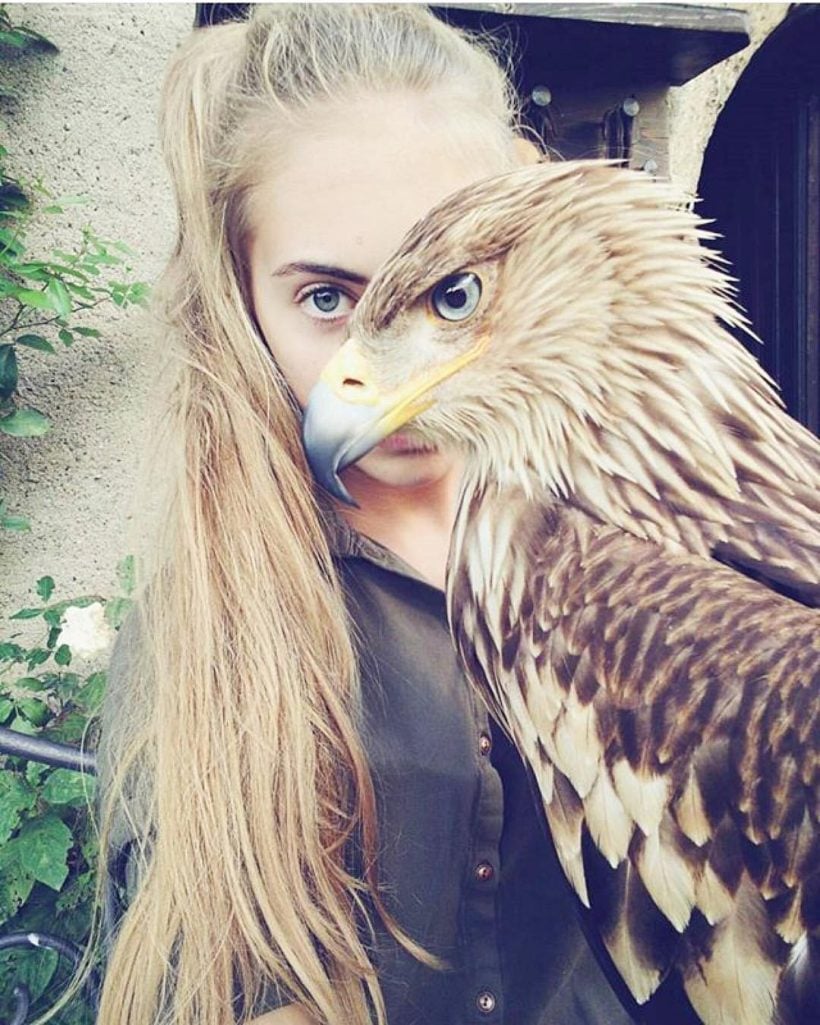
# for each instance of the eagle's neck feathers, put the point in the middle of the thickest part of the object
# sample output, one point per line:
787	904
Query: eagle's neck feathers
649	443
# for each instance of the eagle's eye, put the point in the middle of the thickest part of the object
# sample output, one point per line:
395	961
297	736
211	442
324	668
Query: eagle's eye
456	297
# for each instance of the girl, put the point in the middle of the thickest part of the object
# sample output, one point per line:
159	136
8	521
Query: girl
321	825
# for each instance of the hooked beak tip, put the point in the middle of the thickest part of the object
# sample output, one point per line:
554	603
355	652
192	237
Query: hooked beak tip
333	434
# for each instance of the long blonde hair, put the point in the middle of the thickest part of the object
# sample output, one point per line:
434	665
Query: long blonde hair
231	755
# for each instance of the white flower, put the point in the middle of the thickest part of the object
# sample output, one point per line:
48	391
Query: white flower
85	630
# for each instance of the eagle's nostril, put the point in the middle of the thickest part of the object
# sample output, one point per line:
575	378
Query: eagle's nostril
352	383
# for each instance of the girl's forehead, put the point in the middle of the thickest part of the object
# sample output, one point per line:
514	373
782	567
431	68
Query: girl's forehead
353	185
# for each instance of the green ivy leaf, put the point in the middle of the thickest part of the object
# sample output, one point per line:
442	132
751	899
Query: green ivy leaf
44	845
81	291
45	587
27	614
116	609
22	38
35	772
6	708
62	268
88	332
123	248
126	573
16	881
90	847
29	683
14	522
139	292
52	616
65	786
32	271
37	300
35	342
73	200
25	423
66	683
33	968
11	652
15	39
70	729
8	370
79	891
12	245
37	656
60	299
54	613
21	725
35	710
105	259
16	797
62	656
90	695
66	337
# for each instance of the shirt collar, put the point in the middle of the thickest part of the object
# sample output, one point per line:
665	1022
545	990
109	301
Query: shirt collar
347	543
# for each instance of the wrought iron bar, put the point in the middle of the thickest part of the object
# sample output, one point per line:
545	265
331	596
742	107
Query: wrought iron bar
66	949
37	749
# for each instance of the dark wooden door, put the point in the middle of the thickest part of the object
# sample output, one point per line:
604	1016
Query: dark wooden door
761	184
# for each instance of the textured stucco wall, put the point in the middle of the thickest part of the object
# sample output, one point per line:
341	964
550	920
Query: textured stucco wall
85	120
694	108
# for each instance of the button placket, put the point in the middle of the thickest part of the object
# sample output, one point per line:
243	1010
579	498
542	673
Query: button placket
483	994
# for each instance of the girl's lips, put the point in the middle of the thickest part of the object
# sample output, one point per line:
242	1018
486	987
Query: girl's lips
405	443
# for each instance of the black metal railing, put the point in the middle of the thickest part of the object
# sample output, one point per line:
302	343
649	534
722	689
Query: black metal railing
63	756
49	752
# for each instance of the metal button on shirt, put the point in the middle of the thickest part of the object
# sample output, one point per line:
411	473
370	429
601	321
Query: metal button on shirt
484	872
485	1002
485	744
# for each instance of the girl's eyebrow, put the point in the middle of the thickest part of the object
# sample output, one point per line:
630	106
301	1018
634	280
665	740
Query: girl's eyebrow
322	269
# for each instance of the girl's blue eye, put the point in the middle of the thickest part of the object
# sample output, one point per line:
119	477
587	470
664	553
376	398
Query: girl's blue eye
326	302
457	296
326	299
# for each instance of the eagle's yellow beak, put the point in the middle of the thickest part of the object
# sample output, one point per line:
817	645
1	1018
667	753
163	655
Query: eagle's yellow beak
346	416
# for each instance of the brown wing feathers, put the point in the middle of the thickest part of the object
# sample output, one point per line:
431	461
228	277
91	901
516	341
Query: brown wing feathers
668	707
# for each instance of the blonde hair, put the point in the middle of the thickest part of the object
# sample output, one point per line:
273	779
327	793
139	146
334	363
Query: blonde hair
232	756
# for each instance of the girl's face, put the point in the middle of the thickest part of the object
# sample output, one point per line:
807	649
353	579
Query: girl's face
335	209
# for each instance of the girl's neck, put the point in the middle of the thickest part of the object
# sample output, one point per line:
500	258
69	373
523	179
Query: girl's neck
415	522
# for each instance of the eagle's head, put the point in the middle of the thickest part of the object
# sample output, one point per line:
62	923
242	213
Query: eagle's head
555	322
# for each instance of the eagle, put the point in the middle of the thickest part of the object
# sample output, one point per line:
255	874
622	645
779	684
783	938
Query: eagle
634	573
